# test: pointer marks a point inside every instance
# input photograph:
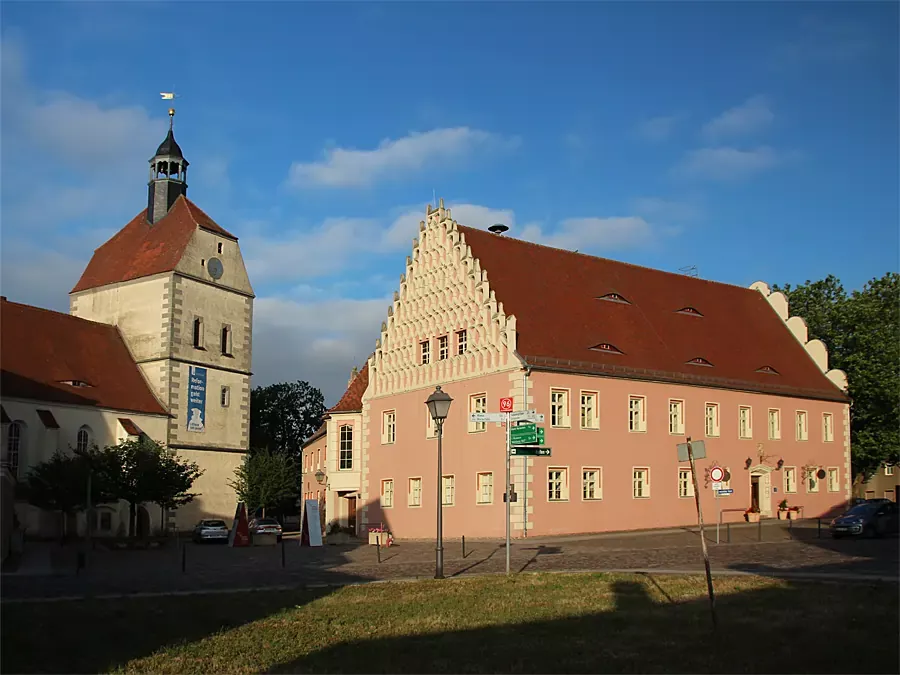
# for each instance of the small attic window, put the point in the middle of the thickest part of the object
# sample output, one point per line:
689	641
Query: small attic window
76	383
614	297
606	348
691	311
767	369
700	361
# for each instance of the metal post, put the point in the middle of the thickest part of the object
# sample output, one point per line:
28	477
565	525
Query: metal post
378	547
439	549
759	529
282	553
524	461
819	533
709	584
727	533
183	559
506	487
464	546
89	521
790	527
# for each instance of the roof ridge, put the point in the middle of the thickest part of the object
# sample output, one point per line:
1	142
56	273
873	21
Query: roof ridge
192	207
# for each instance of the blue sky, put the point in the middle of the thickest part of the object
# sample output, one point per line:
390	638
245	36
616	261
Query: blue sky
753	140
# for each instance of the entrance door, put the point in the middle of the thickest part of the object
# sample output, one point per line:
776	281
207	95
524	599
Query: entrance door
351	513
754	493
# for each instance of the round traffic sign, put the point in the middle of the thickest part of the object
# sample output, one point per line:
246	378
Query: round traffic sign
717	474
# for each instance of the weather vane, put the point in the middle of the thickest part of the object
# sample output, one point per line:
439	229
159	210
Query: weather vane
169	96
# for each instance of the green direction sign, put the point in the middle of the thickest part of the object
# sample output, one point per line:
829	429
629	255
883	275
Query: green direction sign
531	451
526	434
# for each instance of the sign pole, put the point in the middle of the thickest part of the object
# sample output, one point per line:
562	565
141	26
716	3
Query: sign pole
709	584
506	488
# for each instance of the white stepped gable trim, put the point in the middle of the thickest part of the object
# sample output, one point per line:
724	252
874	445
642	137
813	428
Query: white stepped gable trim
797	325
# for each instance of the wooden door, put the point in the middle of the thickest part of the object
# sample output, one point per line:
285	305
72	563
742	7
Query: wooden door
351	513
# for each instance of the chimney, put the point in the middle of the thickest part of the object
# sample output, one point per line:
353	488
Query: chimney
353	374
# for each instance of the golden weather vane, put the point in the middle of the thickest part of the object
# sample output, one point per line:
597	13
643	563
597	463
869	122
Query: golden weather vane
169	96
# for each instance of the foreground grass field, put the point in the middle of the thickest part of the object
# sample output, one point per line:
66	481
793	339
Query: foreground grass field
540	623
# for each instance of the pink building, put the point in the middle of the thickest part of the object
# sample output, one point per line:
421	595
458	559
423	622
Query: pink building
624	361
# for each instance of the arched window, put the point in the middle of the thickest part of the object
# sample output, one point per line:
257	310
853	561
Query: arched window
13	446
84	439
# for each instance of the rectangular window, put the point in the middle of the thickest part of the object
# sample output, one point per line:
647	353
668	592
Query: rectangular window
448	490
388	427
812	479
685	483
637	413
640	480
592	484
225	341
198	333
790	479
461	342
590	410
559	408
827	427
745	423
485	485
774	424
676	417
833	479
425	348
225	397
477	403
415	492
318	459
387	493
802	428
443	347
888	470
712	420
557	484
346	459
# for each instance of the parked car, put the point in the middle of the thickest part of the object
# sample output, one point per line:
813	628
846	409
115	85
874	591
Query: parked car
210	530
873	518
265	526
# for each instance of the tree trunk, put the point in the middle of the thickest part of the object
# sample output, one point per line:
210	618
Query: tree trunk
132	520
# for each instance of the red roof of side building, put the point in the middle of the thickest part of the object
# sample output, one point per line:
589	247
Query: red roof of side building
351	401
640	331
140	249
40	350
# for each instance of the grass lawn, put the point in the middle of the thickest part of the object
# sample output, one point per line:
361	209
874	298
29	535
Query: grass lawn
541	623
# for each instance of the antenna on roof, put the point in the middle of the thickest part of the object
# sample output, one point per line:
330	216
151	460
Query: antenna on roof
690	270
498	228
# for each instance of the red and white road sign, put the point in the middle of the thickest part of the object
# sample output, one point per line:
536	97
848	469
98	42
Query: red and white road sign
717	474
506	404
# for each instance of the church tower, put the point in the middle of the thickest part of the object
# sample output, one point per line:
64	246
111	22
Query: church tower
174	282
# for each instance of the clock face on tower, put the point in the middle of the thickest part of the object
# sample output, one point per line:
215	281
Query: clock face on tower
214	267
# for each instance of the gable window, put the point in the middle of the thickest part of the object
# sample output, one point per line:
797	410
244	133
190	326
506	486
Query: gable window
640	483
745	423
225	397
226	341
590	410
827	427
685	483
592	484
83	440
676	417
790	479
461	342
443	347
387	493
712	420
477	404
559	408
774	424
557	484
637	413
833	479
13	446
388	427
802	428
448	490
415	492
425	349
485	485
198	333
346	441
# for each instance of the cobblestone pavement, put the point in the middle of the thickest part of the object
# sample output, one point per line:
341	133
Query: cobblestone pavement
772	549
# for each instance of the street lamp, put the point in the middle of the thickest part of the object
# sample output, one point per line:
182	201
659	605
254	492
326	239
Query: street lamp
438	406
320	476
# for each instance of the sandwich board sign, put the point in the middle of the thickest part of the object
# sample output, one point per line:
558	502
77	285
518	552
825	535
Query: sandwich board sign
311	527
240	527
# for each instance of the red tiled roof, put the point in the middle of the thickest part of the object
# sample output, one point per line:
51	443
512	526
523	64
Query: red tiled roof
48	419
351	401
554	294
41	349
140	249
130	427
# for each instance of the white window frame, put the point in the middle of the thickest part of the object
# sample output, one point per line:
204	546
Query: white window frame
561	419
637	414
774	419
888	469
389	427
387	495
424	352
462	342
448	481
15	440
827	427
801	425
225	396
685	483
563	488
342	450
589	401
711	422
745	432
443	347
480	488
645	492
83	438
676	417
413	491
835	485
790	480
598	483
430	426
478	403
812	481
226	340
197	333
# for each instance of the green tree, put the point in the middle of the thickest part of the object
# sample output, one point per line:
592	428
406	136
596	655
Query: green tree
862	333
267	480
283	415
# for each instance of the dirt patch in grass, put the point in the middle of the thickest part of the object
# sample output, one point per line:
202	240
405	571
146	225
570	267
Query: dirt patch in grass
526	623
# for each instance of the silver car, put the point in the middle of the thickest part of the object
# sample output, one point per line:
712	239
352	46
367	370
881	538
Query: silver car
266	526
210	530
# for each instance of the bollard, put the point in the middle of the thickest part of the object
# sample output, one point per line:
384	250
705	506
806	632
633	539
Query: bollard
282	554
759	530
378	547
728	532
819	522
183	557
790	528
464	545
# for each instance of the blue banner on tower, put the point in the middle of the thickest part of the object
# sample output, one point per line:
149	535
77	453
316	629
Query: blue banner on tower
197	399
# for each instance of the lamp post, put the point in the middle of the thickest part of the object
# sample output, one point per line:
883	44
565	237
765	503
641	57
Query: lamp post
438	406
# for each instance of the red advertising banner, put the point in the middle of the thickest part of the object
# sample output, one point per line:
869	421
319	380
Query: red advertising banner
240	528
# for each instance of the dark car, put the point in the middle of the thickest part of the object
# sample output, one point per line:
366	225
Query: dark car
266	526
871	518
210	530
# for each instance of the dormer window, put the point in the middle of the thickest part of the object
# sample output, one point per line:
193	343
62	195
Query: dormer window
614	297
76	383
767	369
606	348
691	311
699	361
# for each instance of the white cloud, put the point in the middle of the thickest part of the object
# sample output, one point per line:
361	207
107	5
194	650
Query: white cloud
35	276
593	234
342	167
726	163
750	116
658	128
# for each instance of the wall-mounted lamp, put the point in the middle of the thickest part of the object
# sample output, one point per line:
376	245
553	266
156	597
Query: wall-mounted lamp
320	476
748	463
779	464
